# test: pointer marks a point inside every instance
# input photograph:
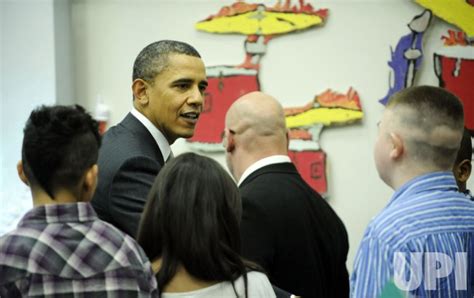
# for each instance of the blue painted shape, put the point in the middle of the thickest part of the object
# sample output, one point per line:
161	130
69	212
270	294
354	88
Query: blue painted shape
400	65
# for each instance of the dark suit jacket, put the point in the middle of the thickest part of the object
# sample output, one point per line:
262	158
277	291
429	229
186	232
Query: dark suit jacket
293	233
129	160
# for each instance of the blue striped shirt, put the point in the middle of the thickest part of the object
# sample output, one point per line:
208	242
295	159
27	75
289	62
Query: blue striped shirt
426	227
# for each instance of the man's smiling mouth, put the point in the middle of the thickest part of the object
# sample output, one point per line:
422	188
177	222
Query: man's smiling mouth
190	116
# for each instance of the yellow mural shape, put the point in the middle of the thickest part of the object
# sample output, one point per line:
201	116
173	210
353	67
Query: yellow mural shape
457	12
325	116
260	22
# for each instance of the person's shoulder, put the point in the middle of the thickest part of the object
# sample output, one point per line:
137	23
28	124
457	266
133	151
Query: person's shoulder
118	137
259	285
133	156
256	276
15	250
420	206
125	249
22	241
267	182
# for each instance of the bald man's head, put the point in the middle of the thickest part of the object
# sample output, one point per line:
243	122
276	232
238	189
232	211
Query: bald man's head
254	129
260	121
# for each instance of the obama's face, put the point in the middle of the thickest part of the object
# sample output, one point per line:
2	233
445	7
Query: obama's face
176	95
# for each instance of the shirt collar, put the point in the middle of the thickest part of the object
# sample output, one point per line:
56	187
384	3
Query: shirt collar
262	163
160	139
469	194
56	213
435	181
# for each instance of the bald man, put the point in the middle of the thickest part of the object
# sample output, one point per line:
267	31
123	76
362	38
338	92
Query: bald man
287	227
424	238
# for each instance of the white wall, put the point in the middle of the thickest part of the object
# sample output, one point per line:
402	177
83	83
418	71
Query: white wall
28	80
64	53
352	49
33	70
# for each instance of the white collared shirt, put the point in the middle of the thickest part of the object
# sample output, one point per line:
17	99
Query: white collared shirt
160	139
262	163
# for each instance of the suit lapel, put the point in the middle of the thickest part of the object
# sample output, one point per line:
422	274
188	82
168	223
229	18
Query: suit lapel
137	128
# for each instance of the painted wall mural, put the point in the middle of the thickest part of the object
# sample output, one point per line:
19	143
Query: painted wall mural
306	124
454	67
457	12
225	85
260	24
407	57
454	62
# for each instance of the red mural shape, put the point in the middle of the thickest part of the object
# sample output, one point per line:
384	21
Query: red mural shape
312	167
226	84
455	70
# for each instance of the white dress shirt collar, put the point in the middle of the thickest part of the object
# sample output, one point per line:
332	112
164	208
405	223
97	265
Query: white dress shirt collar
274	159
160	139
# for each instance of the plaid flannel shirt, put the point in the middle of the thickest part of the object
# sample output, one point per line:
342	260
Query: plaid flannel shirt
66	251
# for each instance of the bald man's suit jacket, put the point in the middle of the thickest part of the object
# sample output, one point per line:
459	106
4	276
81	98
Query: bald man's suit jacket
129	160
293	233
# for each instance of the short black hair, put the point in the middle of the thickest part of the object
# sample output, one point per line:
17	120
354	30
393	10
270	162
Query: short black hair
442	105
153	59
59	144
465	151
192	219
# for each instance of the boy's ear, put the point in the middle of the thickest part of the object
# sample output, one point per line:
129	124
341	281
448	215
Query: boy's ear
398	148
21	173
463	170
90	183
139	88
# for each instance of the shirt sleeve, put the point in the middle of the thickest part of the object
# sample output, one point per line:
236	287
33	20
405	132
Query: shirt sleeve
371	269
129	191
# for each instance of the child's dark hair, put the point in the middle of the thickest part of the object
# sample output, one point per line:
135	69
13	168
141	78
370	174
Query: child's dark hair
192	219
59	144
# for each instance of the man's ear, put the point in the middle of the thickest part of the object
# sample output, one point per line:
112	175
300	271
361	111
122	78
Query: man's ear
139	88
463	170
287	139
398	148
230	143
21	173
90	183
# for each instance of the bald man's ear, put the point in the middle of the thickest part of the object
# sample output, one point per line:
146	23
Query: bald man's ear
21	173
287	139
230	142
139	88
398	147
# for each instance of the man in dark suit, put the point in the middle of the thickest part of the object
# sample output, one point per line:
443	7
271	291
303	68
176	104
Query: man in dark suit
287	227
169	80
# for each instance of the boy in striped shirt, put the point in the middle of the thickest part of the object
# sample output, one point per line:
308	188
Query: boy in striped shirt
423	240
462	166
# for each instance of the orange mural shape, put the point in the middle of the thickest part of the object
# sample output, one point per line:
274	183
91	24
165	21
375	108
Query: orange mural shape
241	7
455	38
329	98
300	134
